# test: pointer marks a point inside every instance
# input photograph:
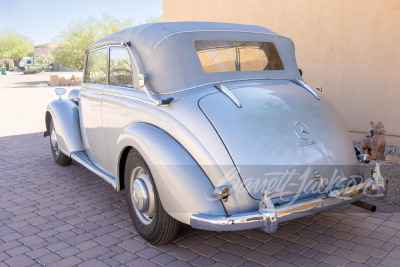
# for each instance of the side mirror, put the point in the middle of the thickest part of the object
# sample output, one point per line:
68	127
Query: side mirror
301	72
60	91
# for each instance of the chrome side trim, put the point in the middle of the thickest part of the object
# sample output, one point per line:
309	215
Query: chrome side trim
175	33
138	99
268	216
228	93
134	98
125	87
91	91
82	158
303	85
224	81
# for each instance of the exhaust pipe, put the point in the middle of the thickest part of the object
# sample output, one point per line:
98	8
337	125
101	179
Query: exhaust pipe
365	205
364	158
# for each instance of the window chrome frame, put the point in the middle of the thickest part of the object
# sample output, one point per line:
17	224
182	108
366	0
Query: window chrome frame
86	61
109	70
152	99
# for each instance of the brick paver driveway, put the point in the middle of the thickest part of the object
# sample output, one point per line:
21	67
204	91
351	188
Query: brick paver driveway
64	216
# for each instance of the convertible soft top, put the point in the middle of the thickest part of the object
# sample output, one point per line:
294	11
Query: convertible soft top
169	60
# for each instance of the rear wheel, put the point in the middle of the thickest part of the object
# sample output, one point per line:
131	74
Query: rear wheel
150	219
59	157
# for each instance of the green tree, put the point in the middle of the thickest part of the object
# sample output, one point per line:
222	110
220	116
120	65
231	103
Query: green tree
43	60
80	34
154	19
14	46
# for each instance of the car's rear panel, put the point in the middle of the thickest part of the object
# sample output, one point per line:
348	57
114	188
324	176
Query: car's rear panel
262	137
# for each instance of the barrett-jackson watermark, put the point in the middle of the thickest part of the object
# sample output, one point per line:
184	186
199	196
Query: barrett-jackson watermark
290	184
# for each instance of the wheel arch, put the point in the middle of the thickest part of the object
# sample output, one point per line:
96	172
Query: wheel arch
47	121
65	116
183	187
121	167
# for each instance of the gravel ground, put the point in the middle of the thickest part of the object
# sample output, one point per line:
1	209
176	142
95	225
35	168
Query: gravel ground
391	170
19	80
24	101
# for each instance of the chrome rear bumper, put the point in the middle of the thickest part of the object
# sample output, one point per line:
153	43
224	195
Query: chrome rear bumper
268	216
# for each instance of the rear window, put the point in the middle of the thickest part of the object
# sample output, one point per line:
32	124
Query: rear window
229	56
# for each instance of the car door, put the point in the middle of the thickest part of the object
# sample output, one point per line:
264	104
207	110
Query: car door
118	112
91	97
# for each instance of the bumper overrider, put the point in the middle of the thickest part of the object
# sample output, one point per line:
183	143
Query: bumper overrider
268	216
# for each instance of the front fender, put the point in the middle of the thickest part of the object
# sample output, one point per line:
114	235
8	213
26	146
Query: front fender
183	187
65	115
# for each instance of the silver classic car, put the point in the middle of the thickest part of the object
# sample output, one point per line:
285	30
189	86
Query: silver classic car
207	124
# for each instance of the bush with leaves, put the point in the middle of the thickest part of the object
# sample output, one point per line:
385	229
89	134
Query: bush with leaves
80	34
14	46
32	71
43	61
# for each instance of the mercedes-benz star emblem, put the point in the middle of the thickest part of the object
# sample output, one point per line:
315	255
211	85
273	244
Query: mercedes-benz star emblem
302	131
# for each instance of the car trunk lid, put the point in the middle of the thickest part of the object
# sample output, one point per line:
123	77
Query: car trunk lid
280	137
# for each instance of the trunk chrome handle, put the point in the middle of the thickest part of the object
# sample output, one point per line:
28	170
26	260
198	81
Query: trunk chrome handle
306	87
228	93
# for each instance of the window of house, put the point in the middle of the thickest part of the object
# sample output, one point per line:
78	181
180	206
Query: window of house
120	67
228	56
96	67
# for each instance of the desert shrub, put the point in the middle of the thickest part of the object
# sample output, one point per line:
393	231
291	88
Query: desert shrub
32	71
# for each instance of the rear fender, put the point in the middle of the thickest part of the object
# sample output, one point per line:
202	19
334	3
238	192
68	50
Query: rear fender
183	187
65	115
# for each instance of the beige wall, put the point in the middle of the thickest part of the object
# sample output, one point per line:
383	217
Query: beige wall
348	47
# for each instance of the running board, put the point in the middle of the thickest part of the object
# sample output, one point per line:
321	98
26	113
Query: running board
82	158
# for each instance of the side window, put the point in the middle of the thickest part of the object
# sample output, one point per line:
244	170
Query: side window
28	62
120	67
96	67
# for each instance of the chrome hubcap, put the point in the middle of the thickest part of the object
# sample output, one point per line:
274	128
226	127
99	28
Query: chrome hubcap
142	193
53	139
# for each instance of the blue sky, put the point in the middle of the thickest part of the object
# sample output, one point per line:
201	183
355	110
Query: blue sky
43	20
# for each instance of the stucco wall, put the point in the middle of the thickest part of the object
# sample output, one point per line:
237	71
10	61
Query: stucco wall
349	48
